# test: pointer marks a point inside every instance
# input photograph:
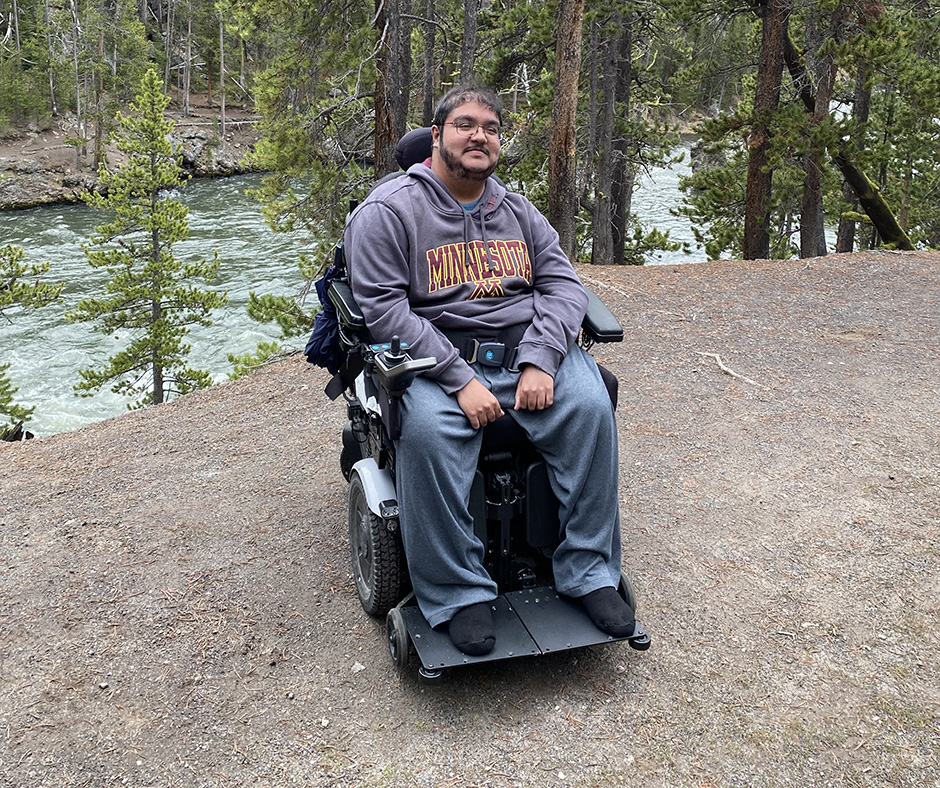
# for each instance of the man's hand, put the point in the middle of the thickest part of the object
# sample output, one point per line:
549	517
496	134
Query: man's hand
535	390
478	402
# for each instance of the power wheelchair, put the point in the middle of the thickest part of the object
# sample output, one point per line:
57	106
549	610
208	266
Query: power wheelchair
515	512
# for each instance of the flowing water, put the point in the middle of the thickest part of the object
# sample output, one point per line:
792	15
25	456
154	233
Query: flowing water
45	352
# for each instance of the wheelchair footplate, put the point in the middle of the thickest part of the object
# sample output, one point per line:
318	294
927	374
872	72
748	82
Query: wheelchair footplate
529	622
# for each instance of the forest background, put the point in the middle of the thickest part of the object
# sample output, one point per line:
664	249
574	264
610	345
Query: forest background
809	117
802	108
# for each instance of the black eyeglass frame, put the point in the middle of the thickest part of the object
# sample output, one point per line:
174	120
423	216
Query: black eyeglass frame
491	131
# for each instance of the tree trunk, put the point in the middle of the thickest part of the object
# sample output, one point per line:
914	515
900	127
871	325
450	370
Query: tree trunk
98	148
430	36
591	140
874	203
766	99
812	225
869	197
222	82
156	312
402	93
468	47
188	67
79	108
387	22
602	240
845	240
53	100
562	150
393	82
168	44
622	194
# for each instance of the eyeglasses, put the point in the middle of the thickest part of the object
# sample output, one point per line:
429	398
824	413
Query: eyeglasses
466	128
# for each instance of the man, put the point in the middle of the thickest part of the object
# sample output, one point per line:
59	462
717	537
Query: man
443	254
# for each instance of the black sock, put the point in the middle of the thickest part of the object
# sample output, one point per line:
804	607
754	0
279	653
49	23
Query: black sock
471	629
609	612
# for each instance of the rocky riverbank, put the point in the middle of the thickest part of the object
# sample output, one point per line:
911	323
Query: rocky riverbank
38	166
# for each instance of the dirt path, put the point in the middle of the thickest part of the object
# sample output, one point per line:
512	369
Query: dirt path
176	608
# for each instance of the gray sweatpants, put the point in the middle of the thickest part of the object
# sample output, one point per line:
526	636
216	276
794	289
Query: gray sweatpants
435	462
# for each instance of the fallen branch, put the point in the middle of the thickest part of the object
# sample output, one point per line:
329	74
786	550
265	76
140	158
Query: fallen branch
728	370
596	283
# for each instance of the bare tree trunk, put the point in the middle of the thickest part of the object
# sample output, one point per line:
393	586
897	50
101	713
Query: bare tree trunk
79	108
593	63
766	99
812	224
430	36
401	97
16	31
602	240
622	194
222	81
468	47
156	312
53	102
562	149
393	84
99	106
845	240
388	99
188	67
168	43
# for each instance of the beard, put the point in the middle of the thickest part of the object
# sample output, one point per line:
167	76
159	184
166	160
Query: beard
456	168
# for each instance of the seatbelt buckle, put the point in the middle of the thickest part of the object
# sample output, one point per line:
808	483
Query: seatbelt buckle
494	354
489	354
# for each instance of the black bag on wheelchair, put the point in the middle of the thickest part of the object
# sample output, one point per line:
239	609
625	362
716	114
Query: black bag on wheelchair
323	348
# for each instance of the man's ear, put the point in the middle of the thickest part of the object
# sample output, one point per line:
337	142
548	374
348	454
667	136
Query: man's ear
435	136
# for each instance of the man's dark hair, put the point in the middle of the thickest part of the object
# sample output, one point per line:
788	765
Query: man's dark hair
463	94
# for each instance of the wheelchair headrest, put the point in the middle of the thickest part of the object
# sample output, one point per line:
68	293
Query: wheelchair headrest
414	147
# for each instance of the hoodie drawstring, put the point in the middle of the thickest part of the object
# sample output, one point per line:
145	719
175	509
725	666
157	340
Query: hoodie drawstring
490	263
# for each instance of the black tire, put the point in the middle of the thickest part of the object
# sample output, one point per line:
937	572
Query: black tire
399	642
626	591
377	560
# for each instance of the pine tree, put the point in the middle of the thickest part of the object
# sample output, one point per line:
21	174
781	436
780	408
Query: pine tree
20	289
150	297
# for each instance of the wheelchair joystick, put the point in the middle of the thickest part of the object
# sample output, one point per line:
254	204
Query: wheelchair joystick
395	369
394	354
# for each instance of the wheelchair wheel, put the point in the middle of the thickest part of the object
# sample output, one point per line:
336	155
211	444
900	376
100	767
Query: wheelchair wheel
377	560
399	643
626	591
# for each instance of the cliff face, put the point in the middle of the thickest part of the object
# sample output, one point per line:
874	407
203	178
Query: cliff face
37	167
177	609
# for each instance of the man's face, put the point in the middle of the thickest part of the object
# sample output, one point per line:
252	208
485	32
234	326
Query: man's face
473	158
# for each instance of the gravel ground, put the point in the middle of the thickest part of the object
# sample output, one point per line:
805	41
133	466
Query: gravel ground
176	607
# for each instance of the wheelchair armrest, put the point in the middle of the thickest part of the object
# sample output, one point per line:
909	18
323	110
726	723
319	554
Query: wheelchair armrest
347	310
396	377
599	323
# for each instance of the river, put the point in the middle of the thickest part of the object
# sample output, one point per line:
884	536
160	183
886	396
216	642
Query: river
45	352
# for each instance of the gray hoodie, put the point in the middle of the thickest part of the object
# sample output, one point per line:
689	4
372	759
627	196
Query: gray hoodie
419	261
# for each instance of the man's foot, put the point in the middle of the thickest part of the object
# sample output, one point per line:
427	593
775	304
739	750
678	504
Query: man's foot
610	614
471	629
